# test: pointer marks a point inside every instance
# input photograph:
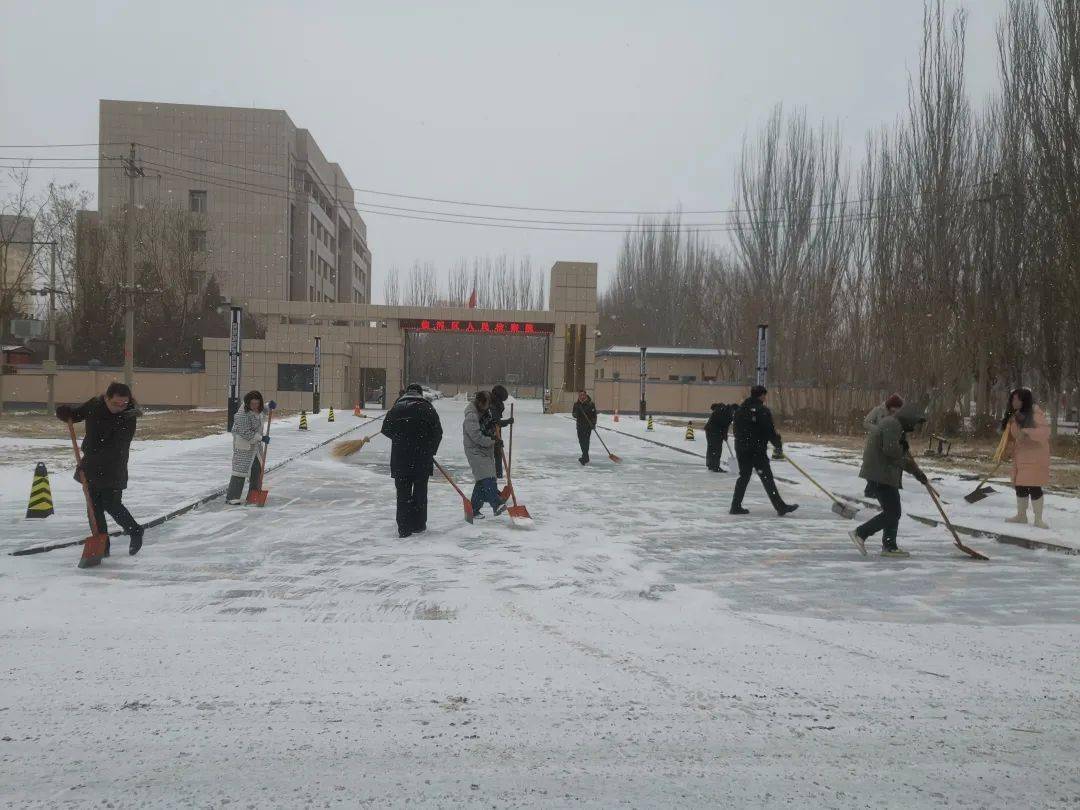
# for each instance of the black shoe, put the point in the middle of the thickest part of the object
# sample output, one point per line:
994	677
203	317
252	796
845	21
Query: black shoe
108	544
787	509
714	469
583	460
500	508
136	541
403	533
479	516
419	530
738	510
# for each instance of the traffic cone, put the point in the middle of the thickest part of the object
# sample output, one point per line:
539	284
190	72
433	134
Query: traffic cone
690	431
41	505
616	414
303	420
330	416
356	411
648	425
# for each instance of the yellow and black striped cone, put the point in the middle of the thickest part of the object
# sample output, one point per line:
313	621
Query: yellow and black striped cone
303	420
648	425
330	416
690	431
41	505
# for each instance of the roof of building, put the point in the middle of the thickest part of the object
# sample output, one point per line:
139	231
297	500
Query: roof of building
663	351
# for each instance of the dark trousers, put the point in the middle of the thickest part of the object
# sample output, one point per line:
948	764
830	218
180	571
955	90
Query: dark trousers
714	452
887	521
236	483
1033	492
111	501
749	461
412	503
584	437
485	491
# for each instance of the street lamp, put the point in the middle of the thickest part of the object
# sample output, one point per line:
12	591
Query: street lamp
236	314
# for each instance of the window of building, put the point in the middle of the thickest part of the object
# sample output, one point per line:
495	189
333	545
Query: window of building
295	377
313	224
197	241
310	293
197	202
673	377
333	245
312	265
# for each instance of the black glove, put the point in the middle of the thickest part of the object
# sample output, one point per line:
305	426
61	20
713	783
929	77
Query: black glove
920	476
266	440
64	413
778	452
499	444
1005	419
507	422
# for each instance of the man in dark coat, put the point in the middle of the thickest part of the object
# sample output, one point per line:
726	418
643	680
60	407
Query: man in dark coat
716	433
110	427
415	433
886	457
585	416
496	409
754	432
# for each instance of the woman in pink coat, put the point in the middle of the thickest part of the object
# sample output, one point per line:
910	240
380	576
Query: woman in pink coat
1030	437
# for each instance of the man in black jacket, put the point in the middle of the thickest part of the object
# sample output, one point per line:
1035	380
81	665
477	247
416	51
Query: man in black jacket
754	431
415	433
110	427
496	409
585	416
716	431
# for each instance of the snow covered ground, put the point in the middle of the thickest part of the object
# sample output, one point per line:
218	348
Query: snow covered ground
640	648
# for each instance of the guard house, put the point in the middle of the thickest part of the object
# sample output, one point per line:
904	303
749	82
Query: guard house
364	342
667	364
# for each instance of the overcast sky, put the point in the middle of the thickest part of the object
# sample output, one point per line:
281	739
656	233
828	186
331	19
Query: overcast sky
588	105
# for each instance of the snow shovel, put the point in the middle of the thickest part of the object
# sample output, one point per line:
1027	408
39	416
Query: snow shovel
840	508
257	497
978	555
94	546
982	490
603	444
519	515
465	502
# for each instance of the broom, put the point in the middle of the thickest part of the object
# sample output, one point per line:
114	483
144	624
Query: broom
519	515
345	449
842	509
603	444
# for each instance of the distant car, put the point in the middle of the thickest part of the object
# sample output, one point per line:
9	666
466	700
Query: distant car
430	394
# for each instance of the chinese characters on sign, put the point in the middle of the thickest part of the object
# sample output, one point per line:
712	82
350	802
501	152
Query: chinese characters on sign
481	327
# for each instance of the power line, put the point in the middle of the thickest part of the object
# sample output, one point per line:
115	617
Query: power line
285	194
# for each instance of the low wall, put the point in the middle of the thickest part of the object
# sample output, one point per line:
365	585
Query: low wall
160	388
696	399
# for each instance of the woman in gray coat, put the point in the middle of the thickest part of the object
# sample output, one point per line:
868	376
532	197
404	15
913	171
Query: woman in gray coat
248	448
480	449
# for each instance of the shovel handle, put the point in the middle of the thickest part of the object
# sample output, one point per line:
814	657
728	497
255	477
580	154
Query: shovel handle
810	478
82	479
446	475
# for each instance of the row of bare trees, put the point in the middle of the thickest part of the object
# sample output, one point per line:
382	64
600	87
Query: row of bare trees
947	261
498	283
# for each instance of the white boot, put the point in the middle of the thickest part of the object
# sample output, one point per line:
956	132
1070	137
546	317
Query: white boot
1021	512
1037	511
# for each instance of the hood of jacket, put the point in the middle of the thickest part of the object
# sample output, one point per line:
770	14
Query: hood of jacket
910	416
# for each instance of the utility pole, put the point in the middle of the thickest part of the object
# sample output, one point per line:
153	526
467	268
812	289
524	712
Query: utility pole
132	171
50	366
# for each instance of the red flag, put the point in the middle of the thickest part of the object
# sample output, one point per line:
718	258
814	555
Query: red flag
472	300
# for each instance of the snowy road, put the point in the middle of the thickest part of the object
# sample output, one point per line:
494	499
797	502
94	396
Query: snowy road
639	648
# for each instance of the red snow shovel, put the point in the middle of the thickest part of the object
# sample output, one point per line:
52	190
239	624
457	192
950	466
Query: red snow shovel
93	547
257	497
465	502
519	515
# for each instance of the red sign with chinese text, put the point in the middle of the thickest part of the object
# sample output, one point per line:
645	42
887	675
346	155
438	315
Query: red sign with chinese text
478	327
